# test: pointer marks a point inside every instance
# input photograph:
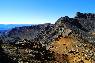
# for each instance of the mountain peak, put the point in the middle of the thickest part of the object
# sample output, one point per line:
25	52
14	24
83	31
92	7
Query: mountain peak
66	39
85	15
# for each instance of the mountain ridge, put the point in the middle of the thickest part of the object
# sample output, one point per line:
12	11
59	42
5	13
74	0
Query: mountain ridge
60	42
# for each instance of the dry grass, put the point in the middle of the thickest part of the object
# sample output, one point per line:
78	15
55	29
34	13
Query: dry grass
67	49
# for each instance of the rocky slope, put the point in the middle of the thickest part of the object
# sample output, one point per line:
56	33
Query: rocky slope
69	40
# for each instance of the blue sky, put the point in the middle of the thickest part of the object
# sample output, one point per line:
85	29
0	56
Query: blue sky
41	11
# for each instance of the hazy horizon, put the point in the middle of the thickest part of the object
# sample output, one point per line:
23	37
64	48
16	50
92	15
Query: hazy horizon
10	26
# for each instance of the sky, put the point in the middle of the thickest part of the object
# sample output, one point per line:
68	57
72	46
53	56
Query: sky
41	11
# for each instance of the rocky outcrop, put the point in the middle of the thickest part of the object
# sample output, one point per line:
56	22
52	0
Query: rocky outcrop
41	43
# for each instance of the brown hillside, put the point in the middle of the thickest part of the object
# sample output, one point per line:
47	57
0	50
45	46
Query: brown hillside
72	51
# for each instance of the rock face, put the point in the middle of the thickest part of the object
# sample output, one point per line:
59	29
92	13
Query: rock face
70	40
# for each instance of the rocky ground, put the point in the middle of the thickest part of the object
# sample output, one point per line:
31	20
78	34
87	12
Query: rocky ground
70	50
69	40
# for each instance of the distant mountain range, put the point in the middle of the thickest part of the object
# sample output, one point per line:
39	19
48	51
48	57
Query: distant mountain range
10	26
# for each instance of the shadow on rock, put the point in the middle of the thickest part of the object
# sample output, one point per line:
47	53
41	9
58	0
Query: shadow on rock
4	58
